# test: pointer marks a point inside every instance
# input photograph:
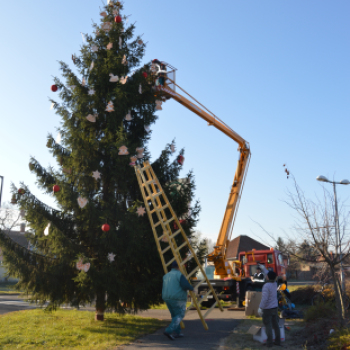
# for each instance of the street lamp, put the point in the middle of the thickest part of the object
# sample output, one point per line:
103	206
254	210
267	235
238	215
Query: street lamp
337	235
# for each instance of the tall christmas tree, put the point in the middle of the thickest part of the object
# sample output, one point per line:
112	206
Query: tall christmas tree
98	247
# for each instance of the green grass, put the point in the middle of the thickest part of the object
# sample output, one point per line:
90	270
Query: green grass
71	329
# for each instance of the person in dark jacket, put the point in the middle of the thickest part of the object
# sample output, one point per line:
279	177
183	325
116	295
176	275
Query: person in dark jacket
268	305
174	293
259	276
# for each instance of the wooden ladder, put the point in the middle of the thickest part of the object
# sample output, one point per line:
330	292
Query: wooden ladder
157	203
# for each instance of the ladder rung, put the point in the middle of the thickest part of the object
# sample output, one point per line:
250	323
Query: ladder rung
181	246
170	261
199	302
168	221
175	234
199	283
154	195
157	224
210	310
145	167
193	272
206	295
166	249
161	208
188	258
163	235
148	182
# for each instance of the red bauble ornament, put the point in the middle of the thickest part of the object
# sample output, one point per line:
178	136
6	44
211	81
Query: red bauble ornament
117	19
145	74
105	227
21	191
180	159
56	188
54	88
182	222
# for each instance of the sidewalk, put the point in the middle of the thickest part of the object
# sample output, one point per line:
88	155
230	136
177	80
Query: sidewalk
220	324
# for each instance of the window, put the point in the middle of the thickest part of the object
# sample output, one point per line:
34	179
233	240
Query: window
270	258
280	259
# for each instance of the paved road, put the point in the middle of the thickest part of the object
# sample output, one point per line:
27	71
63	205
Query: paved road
10	303
220	324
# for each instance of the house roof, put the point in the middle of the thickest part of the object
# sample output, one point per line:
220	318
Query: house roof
18	237
242	244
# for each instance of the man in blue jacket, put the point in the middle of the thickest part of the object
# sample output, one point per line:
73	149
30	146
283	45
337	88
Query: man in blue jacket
174	293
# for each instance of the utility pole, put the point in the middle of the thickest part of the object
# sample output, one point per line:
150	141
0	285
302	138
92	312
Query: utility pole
2	182
337	229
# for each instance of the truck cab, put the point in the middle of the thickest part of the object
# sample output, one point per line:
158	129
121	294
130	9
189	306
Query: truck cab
272	259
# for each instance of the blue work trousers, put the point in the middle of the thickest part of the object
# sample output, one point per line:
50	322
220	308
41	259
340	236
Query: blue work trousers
177	310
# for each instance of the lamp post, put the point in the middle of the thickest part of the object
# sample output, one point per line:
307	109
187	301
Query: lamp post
2	181
337	234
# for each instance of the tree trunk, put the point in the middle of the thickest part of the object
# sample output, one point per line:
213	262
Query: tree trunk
100	306
338	299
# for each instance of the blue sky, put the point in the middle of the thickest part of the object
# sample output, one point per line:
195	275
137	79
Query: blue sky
277	72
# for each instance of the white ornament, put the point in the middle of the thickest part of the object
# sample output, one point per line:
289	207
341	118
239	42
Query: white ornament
141	211
140	89
115	12
147	128
91	92
83	267
59	138
83	36
83	82
96	174
111	257
123	151
82	202
133	160
124	61
46	231
120	42
113	78
140	151
94	48
110	107
92	66
106	26
123	80
92	118
158	105
52	105
72	87
109	46
128	117
103	14
172	147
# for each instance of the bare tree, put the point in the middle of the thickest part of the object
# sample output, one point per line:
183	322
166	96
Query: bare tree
315	237
9	218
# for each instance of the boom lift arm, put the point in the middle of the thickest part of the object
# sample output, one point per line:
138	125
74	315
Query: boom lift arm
165	88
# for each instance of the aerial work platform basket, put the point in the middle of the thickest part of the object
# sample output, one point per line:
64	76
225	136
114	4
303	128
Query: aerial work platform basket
162	217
